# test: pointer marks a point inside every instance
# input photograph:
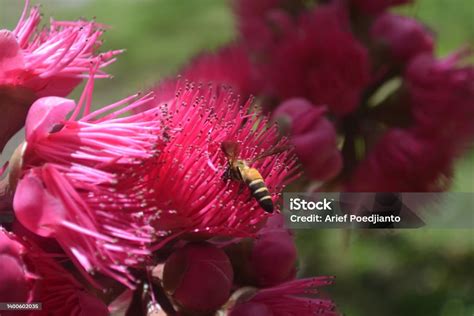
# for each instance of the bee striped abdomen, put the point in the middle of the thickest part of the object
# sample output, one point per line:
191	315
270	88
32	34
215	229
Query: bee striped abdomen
259	190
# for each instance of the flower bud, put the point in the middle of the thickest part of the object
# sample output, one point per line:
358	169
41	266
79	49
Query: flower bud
313	136
268	260
274	257
403	37
199	277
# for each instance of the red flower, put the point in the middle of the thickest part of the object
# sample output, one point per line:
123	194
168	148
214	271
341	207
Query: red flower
441	94
51	61
313	136
404	37
230	66
321	62
76	183
47	62
187	177
403	160
262	22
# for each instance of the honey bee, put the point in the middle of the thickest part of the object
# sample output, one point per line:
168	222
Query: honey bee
241	170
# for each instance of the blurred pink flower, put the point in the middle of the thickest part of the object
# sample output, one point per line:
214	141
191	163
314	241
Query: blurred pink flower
191	194
77	183
287	299
230	66
35	277
403	37
404	161
199	277
262	22
441	93
322	62
313	136
373	7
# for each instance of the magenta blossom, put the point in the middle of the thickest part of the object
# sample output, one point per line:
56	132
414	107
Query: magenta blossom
313	136
322	62
403	37
33	276
286	299
230	66
404	160
262	22
187	179
77	185
43	62
50	61
441	94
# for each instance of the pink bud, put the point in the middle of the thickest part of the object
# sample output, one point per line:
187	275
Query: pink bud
313	136
274	257
404	37
402	160
268	260
199	277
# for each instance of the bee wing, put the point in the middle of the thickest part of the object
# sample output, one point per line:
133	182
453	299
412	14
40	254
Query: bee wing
270	152
231	150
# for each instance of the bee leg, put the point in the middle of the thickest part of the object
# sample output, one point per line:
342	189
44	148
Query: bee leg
226	176
241	188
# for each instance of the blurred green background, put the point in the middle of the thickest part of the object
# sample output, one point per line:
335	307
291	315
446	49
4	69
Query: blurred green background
412	272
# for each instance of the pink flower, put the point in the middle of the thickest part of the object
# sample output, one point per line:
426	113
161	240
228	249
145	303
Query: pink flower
230	66
48	62
51	61
403	37
192	196
286	299
198	277
441	94
313	136
77	183
322	62
262	22
405	161
373	7
37	277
